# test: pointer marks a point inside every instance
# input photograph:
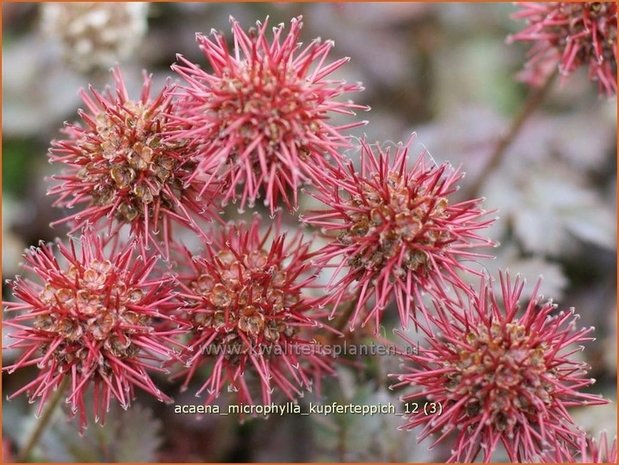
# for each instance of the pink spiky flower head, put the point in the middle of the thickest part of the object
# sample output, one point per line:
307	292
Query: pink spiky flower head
94	318
571	35
501	375
122	169
592	451
589	450
396	229
252	318
263	112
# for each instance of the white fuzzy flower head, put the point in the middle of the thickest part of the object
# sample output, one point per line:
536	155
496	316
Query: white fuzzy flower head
95	35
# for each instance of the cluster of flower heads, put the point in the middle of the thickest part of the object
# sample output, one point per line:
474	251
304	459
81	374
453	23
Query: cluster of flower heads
571	35
247	312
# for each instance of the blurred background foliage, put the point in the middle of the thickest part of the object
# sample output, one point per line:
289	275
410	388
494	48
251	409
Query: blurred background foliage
442	70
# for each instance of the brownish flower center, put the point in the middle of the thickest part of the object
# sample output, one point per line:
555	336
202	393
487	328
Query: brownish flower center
85	313
502	371
388	217
273	108
128	160
245	299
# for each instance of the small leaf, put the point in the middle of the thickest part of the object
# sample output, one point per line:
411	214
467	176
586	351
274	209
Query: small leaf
139	436
126	436
595	225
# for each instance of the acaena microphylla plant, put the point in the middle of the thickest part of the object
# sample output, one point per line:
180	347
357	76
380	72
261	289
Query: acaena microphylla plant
263	112
395	232
252	318
571	35
95	316
503	374
122	169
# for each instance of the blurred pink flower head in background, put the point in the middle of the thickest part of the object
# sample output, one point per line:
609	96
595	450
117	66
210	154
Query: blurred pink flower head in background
588	450
124	170
396	230
95	318
571	35
263	111
503	374
95	35
251	318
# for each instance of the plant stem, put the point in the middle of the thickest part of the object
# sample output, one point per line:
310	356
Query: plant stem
535	98
341	443
43	422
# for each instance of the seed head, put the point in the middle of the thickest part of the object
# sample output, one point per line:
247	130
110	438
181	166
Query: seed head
572	35
397	229
263	112
250	314
123	170
94	317
501	375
